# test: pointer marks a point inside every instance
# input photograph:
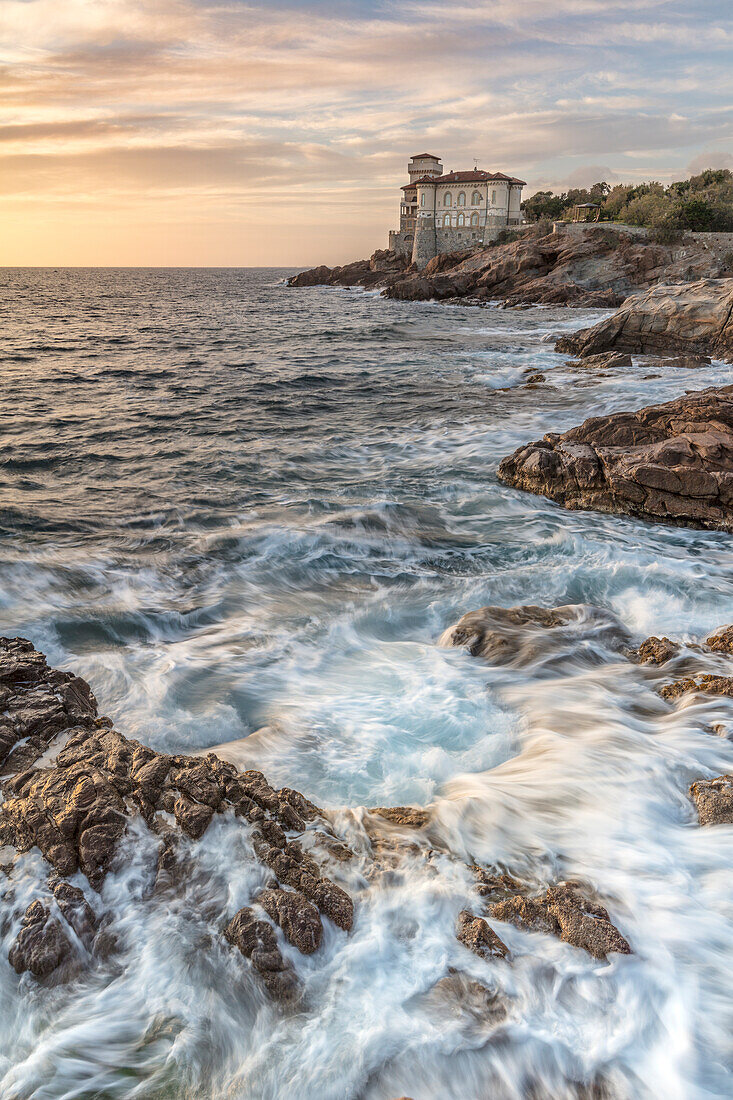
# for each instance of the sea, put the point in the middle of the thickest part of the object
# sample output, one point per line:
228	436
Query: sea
247	514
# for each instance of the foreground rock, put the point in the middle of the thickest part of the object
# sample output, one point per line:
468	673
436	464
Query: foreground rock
80	786
562	911
706	685
690	319
713	799
593	268
671	463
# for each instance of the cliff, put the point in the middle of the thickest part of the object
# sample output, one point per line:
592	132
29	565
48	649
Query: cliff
591	268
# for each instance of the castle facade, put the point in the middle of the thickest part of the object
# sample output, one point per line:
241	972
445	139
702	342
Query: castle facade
447	212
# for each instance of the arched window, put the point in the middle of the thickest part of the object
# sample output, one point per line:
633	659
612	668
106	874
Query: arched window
422	199
448	199
461	219
475	199
474	218
462	198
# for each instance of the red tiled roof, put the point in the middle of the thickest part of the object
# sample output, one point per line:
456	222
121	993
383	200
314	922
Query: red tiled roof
419	156
476	176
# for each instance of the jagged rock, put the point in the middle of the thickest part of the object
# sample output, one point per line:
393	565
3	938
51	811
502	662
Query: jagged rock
722	641
670	462
714	800
707	685
656	651
607	360
691	318
298	919
586	269
489	883
76	809
688	362
563	912
41	946
534	379
193	817
479	937
519	635
411	817
257	941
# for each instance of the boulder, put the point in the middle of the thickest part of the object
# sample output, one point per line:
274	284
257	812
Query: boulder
607	360
714	800
41	945
690	319
257	941
298	919
656	651
475	934
562	911
669	463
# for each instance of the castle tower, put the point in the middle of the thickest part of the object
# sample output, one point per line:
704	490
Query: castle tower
424	246
424	164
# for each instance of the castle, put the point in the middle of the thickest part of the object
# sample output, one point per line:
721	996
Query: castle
447	212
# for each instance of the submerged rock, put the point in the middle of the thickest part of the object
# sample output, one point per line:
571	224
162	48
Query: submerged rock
713	799
671	462
562	911
257	941
41	945
691	318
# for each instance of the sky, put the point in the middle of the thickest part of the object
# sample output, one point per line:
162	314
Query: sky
203	133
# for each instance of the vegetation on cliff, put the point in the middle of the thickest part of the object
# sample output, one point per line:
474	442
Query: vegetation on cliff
702	203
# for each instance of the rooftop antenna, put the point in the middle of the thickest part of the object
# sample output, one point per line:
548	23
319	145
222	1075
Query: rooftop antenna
475	163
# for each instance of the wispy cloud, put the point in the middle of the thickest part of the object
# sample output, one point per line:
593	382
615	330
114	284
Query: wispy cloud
282	118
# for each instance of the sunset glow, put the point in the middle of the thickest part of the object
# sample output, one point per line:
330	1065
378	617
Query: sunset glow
178	132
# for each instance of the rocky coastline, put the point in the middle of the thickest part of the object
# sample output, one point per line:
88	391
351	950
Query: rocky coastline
73	787
588	269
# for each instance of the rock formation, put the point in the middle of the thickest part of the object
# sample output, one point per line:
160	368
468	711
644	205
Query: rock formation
76	807
592	268
713	799
690	319
671	462
564	912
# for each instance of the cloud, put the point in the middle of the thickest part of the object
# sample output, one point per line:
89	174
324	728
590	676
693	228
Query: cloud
709	160
215	108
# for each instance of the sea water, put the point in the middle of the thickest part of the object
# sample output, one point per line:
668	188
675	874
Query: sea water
246	514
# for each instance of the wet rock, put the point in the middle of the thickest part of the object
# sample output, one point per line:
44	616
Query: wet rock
562	911
193	817
669	463
76	910
713	799
490	883
298	919
382	268
606	360
41	946
722	641
257	941
691	318
479	937
521	635
410	817
656	651
688	362
303	806
534	379
706	685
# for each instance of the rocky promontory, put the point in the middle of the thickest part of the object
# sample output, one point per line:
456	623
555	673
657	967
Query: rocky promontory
591	268
671	462
688	319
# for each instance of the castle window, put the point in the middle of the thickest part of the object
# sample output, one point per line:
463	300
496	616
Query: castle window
448	199
493	198
438	222
422	199
462	198
474	218
461	219
475	199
